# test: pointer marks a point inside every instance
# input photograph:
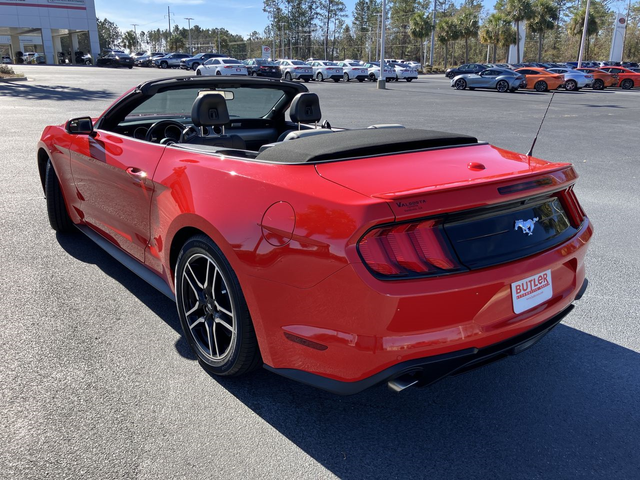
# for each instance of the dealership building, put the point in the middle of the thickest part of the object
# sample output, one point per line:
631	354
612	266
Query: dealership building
39	26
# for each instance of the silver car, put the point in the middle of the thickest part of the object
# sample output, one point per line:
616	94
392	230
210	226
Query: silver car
501	79
295	70
573	79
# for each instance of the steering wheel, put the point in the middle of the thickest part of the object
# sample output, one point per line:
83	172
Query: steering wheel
161	125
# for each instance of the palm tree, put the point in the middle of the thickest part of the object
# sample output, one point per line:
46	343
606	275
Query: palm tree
467	22
447	31
508	37
517	11
420	29
544	18
129	40
176	43
490	32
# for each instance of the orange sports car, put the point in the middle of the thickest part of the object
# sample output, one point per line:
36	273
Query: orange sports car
628	78
601	79
540	80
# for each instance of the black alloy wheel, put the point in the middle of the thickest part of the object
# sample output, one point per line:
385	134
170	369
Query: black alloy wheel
627	84
460	84
502	86
164	65
195	65
598	84
541	86
56	208
212	309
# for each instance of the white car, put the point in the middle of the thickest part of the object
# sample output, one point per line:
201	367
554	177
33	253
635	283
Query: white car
573	79
353	70
405	72
222	66
413	64
324	69
6	60
374	71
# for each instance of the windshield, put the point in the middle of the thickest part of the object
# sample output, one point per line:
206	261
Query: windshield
246	103
297	62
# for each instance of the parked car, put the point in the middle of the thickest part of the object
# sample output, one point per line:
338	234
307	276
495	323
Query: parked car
34	58
573	79
630	65
148	59
115	59
464	69
260	67
352	69
628	78
6	60
295	70
226	66
192	63
501	79
539	79
601	79
323	69
374	71
442	253
404	72
171	60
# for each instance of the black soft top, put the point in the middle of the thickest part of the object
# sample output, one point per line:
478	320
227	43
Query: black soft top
360	143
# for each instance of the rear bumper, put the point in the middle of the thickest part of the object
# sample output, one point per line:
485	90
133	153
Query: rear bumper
428	370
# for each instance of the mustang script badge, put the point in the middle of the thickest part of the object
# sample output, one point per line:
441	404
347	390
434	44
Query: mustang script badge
526	225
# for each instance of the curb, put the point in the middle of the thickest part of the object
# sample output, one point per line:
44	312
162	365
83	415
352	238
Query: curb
14	79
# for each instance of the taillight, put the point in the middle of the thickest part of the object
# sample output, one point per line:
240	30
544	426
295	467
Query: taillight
409	250
573	207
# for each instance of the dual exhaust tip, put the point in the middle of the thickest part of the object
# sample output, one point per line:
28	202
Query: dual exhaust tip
404	381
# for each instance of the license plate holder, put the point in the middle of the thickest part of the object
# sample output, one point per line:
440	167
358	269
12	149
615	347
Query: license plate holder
531	291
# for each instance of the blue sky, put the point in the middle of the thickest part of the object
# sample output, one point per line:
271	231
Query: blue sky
238	16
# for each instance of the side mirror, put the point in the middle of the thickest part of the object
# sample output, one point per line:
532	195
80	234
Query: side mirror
80	126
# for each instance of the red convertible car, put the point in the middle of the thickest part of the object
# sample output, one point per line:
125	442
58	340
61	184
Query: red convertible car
338	258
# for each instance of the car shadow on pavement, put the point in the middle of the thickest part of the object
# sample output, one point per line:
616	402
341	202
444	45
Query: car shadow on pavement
53	92
83	249
567	408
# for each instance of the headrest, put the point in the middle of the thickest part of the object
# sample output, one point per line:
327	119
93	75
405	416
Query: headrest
305	108
209	110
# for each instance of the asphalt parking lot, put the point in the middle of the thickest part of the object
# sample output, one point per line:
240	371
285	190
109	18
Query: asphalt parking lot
97	381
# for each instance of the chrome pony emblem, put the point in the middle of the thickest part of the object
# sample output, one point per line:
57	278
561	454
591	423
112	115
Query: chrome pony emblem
526	225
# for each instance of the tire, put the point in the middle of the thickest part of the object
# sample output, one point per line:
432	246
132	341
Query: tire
198	72
130	67
512	90
319	77
195	66
372	77
346	77
218	72
598	84
460	84
409	80
287	76
571	85
360	80
164	65
213	312
87	62
626	84
541	86
502	86
56	208
306	80
336	80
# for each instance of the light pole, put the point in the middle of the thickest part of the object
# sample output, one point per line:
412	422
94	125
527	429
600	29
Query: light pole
585	28
188	19
135	34
381	79
433	33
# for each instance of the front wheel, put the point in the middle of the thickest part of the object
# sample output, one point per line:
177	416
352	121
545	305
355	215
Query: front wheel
254	74
198	72
346	77
218	72
195	65
502	86
287	76
336	80
598	84
409	80
164	65
460	84
541	86
627	84
319	77
212	309
56	208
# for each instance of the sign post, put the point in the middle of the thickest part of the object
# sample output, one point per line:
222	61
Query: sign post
266	52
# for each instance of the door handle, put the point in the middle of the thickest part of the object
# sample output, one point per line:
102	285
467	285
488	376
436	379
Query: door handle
137	173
